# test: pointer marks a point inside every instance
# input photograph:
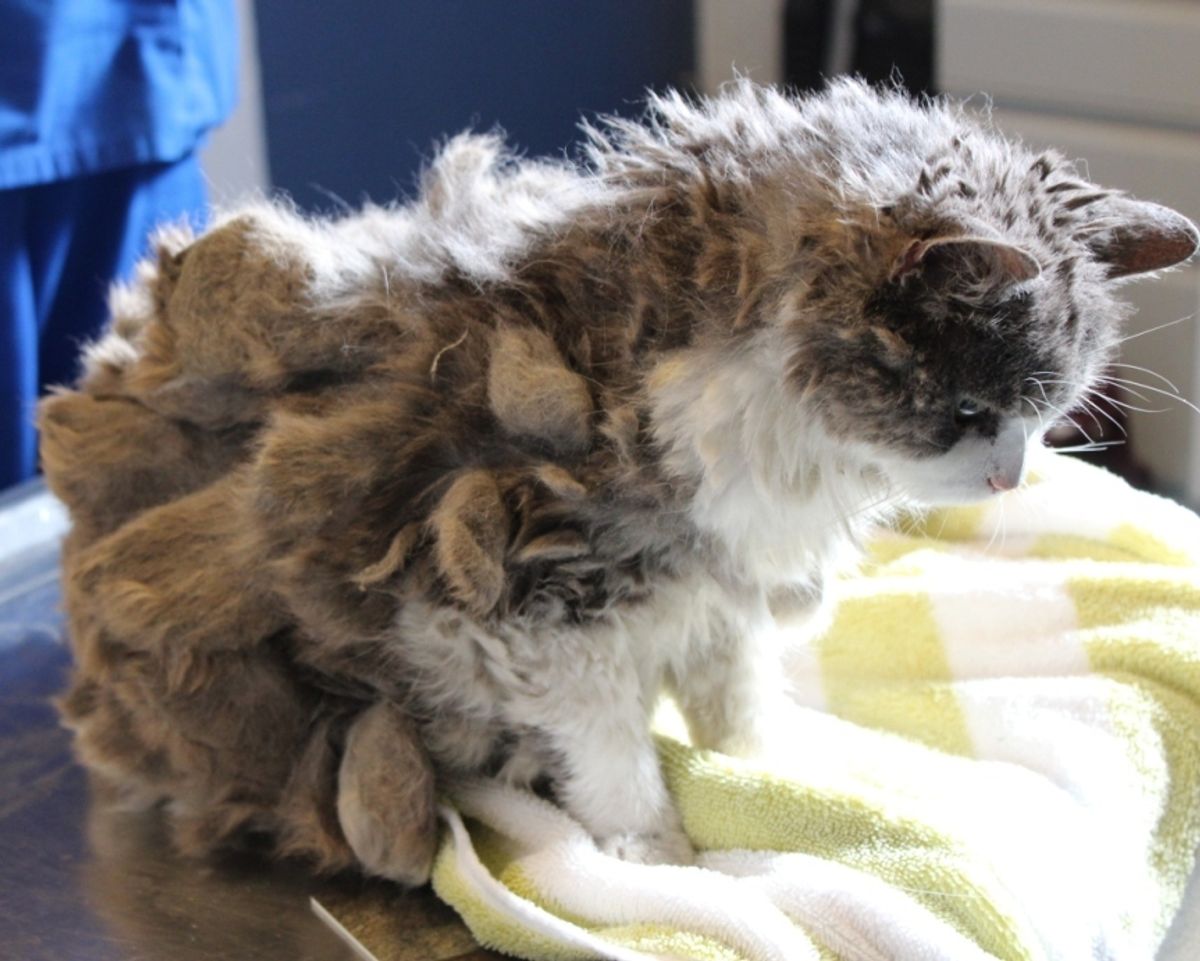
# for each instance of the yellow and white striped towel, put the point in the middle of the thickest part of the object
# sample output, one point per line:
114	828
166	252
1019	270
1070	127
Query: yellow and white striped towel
997	756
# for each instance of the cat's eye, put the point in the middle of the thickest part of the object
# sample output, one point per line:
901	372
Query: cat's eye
967	410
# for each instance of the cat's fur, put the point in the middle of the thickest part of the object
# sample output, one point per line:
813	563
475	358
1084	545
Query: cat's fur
489	470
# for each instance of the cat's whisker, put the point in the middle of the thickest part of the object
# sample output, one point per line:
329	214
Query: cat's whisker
1125	385
1091	407
1157	390
1146	370
1143	333
1073	384
888	496
942	526
1046	401
1101	379
1094	405
996	528
1040	386
1073	422
1037	412
1088	448
1087	410
1128	406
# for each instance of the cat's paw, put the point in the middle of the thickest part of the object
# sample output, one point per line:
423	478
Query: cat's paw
659	847
768	736
761	747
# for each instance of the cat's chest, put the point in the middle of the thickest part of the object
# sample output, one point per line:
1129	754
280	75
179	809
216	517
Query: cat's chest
777	500
781	536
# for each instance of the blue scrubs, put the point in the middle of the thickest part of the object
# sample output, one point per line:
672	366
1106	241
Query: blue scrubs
102	106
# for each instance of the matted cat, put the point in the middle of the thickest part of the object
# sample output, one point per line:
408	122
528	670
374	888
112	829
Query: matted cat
462	485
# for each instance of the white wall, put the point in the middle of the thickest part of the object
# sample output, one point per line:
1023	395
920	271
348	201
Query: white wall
742	34
235	158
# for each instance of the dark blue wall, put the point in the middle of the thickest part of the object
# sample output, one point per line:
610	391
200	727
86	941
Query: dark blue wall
358	92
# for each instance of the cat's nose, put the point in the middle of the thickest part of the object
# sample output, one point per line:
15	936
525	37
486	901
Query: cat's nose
1004	481
1006	465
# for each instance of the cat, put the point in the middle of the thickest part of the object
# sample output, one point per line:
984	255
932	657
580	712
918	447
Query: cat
461	485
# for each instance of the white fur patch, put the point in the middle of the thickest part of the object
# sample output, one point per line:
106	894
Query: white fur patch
785	501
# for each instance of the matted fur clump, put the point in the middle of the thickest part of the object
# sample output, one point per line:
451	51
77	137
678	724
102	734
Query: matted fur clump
459	486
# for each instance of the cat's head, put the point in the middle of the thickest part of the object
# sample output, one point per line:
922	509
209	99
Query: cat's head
938	294
942	323
976	334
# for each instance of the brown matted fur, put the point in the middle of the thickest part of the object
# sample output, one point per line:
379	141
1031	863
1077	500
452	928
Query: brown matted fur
444	480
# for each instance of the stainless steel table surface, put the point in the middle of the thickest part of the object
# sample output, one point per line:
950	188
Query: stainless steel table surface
81	881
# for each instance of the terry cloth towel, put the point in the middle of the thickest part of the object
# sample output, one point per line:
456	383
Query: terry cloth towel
996	756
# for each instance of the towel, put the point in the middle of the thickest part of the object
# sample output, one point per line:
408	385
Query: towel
995	754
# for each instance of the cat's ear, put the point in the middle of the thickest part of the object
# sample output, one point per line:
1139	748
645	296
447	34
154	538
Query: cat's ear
979	263
1135	237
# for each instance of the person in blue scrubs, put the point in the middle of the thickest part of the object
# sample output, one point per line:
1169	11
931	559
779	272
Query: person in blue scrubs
103	104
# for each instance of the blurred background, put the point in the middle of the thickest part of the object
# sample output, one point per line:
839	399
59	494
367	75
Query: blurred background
340	104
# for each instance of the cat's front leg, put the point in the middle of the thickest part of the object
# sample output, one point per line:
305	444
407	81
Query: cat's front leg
731	687
607	771
613	784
